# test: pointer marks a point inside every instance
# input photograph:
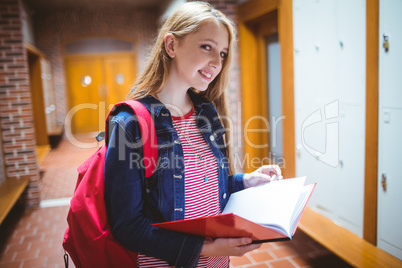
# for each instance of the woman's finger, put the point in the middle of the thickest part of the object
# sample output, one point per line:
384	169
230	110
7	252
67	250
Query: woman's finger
236	242
270	170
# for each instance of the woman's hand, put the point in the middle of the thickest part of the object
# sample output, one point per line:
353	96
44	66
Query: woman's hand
228	247
262	175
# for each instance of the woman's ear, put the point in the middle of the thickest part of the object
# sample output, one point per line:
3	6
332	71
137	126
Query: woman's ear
170	44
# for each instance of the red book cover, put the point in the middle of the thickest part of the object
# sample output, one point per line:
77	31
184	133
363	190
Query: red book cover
236	222
224	225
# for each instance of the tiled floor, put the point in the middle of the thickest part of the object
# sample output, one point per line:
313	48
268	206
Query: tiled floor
33	238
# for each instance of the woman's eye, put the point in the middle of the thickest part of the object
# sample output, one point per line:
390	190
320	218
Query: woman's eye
206	47
224	55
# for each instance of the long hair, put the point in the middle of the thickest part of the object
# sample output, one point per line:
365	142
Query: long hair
185	20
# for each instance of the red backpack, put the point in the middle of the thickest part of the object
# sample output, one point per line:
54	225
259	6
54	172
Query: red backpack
88	238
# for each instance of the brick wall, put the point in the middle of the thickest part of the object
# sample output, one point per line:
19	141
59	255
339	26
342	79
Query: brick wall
228	7
55	28
16	119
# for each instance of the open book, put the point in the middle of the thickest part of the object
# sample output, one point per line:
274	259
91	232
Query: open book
269	212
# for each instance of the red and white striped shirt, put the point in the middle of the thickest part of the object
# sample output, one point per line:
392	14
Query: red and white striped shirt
201	184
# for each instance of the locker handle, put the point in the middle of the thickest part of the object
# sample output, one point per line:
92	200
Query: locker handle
385	44
100	91
384	182
106	90
103	91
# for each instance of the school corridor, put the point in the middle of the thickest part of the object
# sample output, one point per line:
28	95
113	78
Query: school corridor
32	238
314	88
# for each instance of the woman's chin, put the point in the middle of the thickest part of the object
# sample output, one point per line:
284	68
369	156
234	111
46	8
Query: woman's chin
201	89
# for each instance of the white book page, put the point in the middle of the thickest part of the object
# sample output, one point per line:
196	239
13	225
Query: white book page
301	203
270	204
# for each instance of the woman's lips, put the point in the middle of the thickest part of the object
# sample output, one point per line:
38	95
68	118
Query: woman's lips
205	74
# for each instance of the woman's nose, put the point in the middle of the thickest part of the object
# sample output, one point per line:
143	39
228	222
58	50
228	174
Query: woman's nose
215	61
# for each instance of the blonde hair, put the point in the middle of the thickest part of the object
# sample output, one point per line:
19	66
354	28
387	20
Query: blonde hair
185	20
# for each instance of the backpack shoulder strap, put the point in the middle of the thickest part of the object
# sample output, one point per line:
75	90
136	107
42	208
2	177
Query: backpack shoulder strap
148	133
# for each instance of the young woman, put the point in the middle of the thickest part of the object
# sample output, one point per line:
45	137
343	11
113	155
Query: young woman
183	87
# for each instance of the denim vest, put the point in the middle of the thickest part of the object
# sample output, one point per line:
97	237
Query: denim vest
134	203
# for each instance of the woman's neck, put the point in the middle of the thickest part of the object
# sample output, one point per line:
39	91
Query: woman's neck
175	99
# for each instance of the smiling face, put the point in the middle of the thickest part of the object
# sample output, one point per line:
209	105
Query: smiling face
198	57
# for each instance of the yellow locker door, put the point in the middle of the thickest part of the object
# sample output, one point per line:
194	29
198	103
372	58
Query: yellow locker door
84	79
120	74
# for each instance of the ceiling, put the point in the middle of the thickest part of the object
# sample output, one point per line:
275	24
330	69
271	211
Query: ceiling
37	5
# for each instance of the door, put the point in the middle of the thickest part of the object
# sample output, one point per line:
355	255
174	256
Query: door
390	129
86	90
38	108
119	75
95	84
274	94
256	20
